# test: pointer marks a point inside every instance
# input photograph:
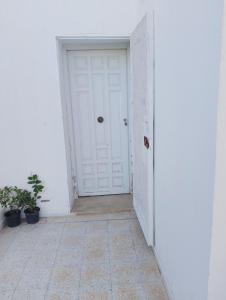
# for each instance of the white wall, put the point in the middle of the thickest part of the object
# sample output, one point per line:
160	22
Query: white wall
187	58
217	276
142	94
187	65
31	126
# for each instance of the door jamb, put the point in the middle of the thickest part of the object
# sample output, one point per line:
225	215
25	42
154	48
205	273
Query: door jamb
87	43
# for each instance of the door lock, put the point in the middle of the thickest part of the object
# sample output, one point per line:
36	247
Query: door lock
100	119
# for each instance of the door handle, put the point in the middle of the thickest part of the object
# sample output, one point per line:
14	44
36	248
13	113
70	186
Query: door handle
125	122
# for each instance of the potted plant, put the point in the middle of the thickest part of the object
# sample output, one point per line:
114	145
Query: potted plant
12	198
30	201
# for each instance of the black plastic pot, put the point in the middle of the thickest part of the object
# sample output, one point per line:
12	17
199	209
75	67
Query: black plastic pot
32	215
13	217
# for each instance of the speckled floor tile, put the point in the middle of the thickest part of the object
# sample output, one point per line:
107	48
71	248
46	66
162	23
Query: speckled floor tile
95	293
95	254
65	278
155	291
146	272
79	257
70	241
95	275
62	295
119	226
34	278
123	273
68	257
128	292
31	294
6	295
9	277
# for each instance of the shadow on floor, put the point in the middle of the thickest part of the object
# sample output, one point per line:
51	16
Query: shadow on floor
103	204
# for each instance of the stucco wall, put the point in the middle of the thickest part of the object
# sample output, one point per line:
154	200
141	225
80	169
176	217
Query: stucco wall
187	48
31	126
217	272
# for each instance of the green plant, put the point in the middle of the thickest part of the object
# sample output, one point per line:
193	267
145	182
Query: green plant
12	197
25	198
37	188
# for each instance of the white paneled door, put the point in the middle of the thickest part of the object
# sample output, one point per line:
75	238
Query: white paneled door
142	58
98	85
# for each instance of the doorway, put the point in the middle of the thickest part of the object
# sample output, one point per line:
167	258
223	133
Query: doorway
108	113
99	108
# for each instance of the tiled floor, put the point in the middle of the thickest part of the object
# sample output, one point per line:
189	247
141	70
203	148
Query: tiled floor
93	257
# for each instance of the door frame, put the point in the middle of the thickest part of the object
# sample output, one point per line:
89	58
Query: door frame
65	44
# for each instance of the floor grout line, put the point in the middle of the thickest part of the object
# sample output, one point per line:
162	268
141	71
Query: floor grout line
9	246
81	266
84	221
35	243
133	243
51	272
93	220
109	257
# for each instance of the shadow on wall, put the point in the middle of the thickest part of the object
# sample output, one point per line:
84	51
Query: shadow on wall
1	217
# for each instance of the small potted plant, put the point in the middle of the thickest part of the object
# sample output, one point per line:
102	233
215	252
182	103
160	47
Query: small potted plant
30	201
12	198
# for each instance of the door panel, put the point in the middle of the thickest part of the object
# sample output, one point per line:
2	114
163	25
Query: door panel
142	90
98	84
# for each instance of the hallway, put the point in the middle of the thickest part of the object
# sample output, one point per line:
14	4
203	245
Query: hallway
88	257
